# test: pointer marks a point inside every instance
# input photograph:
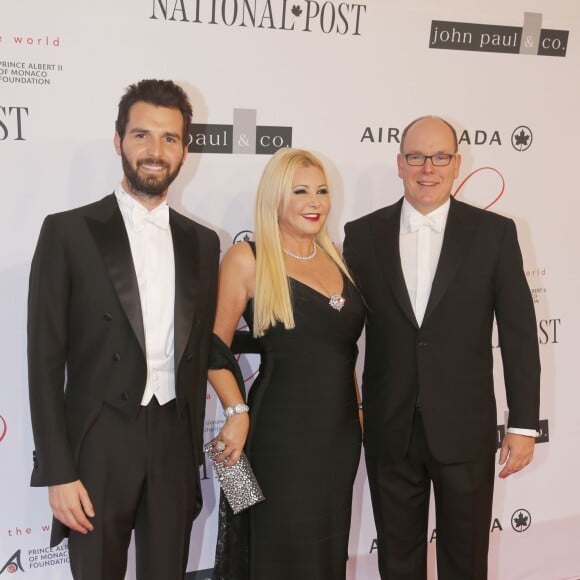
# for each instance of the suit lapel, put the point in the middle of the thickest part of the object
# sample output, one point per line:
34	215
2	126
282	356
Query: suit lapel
110	235
387	248
186	253
458	231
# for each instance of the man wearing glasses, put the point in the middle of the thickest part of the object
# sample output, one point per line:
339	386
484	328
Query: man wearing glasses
434	272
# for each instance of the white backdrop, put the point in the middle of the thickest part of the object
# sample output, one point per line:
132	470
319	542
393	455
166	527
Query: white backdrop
341	78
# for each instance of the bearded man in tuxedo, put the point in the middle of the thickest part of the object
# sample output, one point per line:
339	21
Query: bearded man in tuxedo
120	311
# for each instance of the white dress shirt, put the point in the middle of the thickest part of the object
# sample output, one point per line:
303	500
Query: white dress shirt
152	250
420	243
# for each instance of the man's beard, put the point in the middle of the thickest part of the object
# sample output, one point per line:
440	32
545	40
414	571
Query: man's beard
151	185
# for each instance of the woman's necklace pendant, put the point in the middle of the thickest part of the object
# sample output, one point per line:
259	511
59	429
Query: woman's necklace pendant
336	301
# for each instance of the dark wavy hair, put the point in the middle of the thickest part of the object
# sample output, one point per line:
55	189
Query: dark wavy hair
159	93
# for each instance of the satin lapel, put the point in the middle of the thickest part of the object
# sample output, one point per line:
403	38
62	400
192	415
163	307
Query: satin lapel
386	238
458	231
186	254
111	238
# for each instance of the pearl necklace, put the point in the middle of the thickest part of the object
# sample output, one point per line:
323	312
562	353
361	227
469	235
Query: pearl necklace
297	257
336	301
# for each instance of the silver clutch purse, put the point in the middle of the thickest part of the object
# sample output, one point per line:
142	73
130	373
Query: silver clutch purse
237	481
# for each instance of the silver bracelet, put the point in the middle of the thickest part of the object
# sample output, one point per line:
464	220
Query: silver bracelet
236	410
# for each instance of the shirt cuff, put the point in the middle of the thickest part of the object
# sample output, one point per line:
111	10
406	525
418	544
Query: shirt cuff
526	432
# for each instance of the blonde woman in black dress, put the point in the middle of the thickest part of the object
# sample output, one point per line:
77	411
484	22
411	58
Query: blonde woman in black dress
302	433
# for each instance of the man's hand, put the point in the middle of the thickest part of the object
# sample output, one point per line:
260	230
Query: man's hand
518	450
71	505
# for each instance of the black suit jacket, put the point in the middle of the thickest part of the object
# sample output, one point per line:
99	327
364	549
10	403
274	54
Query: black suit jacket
449	358
86	342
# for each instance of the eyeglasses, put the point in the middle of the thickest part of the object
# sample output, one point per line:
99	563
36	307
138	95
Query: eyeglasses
439	160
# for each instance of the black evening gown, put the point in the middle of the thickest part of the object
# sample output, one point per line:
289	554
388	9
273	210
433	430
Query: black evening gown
304	441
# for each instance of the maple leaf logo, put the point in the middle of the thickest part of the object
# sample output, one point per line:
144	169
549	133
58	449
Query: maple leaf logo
521	138
296	10
243	236
521	520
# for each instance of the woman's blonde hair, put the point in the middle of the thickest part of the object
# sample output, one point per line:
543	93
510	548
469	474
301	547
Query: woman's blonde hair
272	303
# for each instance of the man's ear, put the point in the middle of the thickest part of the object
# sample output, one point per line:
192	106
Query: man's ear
400	162
457	164
117	142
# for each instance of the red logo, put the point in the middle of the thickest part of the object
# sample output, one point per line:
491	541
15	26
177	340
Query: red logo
3	428
489	187
13	564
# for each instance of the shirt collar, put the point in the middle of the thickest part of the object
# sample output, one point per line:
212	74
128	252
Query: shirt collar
134	212
409	214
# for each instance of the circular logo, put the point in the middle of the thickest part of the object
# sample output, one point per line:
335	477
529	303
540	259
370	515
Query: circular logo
3	428
243	236
522	138
521	520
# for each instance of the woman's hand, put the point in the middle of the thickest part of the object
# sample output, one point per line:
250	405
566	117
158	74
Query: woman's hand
232	438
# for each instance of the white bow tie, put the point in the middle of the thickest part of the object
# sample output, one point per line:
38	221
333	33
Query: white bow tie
158	217
417	221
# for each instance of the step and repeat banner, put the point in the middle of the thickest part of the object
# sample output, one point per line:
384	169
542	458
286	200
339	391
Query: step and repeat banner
341	78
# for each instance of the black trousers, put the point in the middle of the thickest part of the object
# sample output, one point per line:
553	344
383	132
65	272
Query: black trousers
463	502
140	474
